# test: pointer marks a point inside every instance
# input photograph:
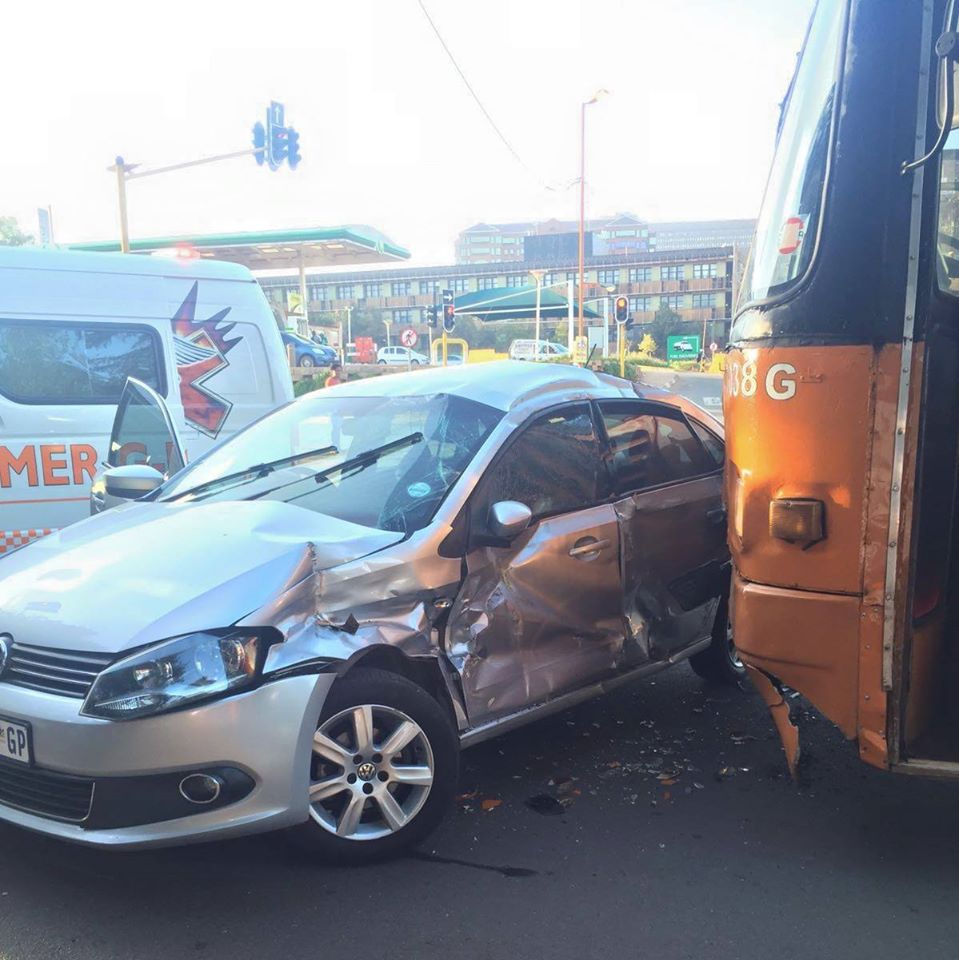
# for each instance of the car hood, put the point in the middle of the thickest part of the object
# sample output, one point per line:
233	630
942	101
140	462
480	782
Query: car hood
147	571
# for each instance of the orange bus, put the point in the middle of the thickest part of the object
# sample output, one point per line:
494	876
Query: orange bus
841	391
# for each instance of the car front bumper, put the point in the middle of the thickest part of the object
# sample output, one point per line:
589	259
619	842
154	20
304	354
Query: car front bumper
262	737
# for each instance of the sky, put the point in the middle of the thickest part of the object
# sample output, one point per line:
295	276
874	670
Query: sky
389	134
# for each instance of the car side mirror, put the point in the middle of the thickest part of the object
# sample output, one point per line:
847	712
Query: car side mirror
509	518
132	481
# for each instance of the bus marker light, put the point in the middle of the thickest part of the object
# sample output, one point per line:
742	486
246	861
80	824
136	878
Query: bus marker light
797	521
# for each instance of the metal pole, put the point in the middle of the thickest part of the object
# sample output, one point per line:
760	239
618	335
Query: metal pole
622	351
605	327
306	317
539	293
569	302
349	331
120	168
582	210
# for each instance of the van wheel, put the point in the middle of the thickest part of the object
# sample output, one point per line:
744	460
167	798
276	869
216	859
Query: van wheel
383	771
720	662
382	363
307	361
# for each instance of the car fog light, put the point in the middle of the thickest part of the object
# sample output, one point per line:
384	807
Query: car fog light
201	788
797	521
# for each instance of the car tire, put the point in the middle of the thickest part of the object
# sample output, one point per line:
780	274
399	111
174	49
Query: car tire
719	662
414	363
307	361
382	363
365	810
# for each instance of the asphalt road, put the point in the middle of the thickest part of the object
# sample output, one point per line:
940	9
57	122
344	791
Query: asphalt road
705	389
670	830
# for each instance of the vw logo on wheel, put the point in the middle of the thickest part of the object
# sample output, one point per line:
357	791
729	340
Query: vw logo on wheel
5	640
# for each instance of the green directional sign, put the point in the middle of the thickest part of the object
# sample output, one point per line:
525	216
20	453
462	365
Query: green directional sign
683	348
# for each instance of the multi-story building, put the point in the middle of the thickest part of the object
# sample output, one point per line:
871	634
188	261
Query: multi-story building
697	284
621	235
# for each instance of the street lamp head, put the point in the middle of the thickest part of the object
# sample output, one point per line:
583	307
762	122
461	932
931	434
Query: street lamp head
598	95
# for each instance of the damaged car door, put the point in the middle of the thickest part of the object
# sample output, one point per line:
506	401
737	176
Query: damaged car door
668	498
540	614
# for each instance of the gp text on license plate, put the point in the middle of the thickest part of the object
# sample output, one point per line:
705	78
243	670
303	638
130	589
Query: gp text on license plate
14	741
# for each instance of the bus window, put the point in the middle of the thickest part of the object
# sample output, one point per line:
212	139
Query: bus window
789	218
948	271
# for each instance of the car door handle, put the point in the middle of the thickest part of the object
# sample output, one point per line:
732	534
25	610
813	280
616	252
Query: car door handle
587	547
717	515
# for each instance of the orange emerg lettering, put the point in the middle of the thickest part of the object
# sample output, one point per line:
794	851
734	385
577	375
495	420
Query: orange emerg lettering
9	464
47	453
83	459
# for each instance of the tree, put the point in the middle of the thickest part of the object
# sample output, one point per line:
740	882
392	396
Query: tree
11	235
647	345
665	323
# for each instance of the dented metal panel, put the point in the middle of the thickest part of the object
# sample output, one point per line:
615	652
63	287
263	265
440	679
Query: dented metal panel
541	616
672	566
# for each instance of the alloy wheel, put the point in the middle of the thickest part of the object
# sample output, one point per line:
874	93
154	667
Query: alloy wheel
371	773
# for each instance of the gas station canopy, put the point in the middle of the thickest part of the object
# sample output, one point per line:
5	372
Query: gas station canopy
274	249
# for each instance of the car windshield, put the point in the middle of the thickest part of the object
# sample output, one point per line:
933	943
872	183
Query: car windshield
384	462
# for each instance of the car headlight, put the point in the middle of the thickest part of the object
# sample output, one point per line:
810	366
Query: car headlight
174	673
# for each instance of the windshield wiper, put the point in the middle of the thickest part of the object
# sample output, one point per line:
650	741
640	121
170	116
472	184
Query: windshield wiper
257	471
354	464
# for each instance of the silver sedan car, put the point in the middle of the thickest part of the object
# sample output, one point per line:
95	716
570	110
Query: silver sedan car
303	627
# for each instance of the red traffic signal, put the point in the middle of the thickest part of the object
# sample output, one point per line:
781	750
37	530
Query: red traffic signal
622	309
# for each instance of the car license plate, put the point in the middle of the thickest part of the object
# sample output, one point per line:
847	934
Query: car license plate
15	741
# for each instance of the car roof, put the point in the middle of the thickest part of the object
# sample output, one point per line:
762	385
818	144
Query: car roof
51	258
503	384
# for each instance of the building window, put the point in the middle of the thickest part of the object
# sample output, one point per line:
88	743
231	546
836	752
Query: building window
702	300
403	316
344	291
317	293
640	304
459	284
400	288
673	302
640	274
486	283
429	286
673	272
371	290
703	270
608	278
516	280
550	279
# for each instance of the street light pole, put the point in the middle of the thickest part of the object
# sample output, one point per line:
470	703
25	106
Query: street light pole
582	204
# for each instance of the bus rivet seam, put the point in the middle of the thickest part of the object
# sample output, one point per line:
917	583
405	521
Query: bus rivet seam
892	543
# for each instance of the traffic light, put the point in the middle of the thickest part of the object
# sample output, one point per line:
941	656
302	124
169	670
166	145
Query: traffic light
259	143
449	311
276	144
432	315
622	310
292	148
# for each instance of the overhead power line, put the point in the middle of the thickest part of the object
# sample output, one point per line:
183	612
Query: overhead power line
475	96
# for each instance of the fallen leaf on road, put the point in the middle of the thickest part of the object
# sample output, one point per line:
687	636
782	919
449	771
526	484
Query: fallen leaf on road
490	804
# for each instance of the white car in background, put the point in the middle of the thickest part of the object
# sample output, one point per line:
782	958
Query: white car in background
401	356
536	350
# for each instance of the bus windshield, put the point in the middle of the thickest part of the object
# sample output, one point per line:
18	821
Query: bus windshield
789	219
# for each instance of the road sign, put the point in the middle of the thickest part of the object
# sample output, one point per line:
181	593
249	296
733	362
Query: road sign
408	337
682	348
580	350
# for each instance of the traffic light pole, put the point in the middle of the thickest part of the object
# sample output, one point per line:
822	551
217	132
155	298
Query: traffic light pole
128	171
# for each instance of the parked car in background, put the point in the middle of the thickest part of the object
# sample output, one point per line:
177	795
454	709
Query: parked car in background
401	356
537	350
74	326
308	353
303	627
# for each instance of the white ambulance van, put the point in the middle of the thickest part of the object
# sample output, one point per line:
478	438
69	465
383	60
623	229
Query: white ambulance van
74	326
